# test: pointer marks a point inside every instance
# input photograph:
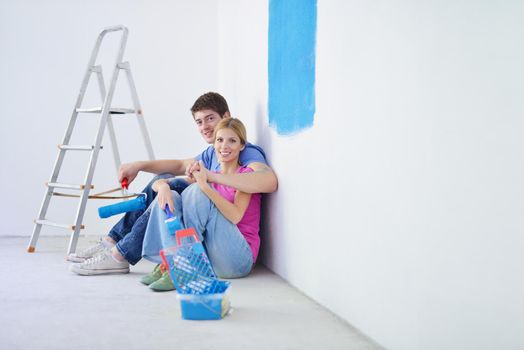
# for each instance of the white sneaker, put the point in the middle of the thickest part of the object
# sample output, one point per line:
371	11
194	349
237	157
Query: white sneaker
87	253
100	264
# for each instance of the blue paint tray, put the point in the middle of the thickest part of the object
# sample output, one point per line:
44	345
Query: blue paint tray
202	296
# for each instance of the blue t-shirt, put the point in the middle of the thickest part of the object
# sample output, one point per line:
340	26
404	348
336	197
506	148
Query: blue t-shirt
250	154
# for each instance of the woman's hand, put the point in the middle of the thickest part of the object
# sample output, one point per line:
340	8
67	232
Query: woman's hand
164	195
201	175
194	166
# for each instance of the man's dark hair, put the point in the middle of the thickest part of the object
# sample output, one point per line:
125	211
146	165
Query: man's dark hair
212	101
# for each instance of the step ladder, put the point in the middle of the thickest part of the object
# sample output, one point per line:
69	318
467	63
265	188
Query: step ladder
105	112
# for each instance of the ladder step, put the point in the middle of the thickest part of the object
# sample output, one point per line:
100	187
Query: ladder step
112	110
55	224
77	148
69	186
96	69
123	65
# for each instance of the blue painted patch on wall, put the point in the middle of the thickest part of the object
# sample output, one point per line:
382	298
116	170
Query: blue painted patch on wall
291	64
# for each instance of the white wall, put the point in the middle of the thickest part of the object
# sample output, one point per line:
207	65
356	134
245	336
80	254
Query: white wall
45	49
400	209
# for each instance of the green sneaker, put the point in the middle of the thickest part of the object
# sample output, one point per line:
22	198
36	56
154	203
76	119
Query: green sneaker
163	284
152	277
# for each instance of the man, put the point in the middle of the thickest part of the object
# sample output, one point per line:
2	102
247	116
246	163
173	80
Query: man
123	245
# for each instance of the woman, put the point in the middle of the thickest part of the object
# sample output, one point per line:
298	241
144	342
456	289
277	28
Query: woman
226	220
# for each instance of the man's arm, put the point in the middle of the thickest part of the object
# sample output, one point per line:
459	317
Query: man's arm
172	166
261	180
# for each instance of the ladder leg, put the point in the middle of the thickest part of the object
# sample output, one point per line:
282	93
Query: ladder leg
139	114
88	180
114	145
49	192
37	227
78	221
110	127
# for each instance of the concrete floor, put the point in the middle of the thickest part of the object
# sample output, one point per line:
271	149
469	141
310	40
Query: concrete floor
44	306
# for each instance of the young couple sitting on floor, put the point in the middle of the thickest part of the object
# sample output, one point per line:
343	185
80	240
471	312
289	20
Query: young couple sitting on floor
219	196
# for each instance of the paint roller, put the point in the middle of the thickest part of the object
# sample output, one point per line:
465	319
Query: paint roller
139	203
172	221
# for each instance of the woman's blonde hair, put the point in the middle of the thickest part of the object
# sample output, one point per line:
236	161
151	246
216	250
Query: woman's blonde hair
234	124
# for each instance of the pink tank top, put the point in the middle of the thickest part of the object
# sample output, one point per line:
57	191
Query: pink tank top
249	225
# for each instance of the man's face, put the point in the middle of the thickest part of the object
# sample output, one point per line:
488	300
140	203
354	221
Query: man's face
206	120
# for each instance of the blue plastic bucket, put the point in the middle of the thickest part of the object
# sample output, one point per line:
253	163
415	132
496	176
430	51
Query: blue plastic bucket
204	306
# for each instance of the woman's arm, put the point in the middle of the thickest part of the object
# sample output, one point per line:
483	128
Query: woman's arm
161	187
235	211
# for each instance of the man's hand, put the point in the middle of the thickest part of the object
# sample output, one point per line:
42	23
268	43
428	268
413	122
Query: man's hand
129	170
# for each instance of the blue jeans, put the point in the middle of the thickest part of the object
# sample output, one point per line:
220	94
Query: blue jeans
226	247
129	231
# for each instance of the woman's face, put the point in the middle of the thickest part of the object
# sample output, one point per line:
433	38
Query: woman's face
227	145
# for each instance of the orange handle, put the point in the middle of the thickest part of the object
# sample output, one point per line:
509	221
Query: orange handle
188	232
